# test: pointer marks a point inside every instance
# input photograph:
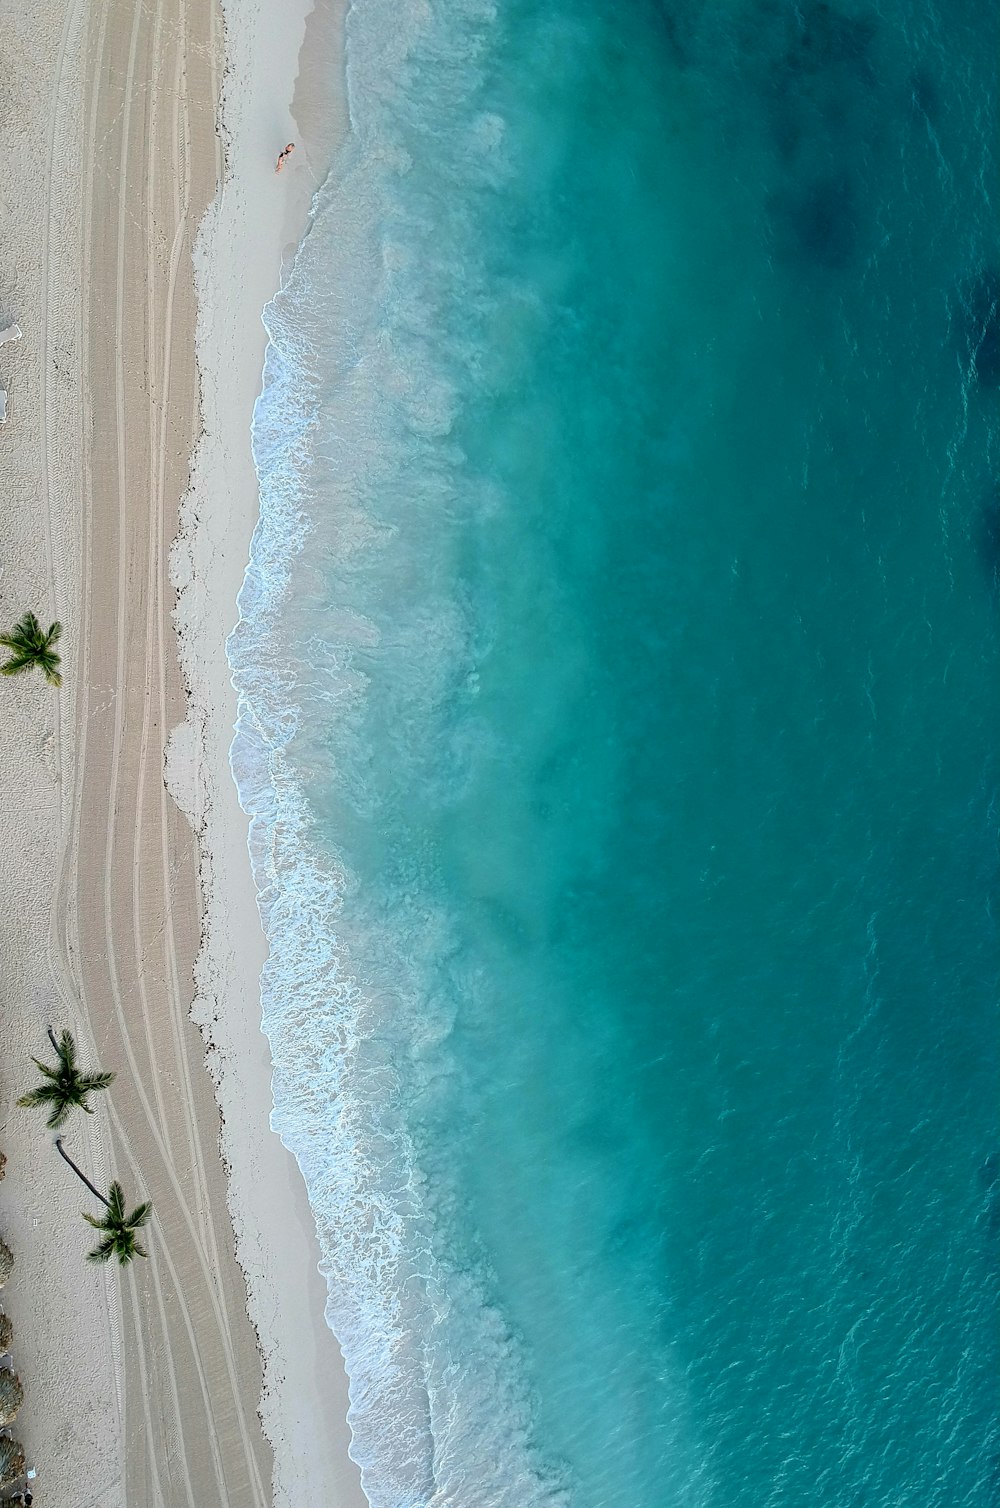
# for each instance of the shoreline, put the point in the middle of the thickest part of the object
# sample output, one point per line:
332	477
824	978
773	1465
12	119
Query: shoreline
305	1392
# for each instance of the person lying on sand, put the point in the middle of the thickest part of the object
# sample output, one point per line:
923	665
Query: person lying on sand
283	155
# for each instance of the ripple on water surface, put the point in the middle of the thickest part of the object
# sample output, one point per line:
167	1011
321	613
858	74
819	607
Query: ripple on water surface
618	685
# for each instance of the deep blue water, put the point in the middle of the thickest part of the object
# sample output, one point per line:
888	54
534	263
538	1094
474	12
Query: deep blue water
619	720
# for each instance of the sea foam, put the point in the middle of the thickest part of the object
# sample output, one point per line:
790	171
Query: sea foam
439	1408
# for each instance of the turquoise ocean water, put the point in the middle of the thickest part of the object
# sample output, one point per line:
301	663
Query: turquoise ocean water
620	700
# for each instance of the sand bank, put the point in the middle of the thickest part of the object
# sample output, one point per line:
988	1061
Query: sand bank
144	1387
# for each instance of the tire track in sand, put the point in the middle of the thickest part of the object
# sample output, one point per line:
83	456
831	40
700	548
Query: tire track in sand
192	1375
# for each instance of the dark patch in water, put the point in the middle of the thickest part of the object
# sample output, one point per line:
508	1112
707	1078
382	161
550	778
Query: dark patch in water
924	98
981	303
672	36
818	222
823	107
825	38
988	544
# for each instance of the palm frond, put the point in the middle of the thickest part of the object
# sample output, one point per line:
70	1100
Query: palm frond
47	1094
25	634
27	631
116	1204
103	1251
89	1081
52	1073
41	1095
140	1215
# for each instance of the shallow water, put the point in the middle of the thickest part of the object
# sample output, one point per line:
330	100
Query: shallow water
619	696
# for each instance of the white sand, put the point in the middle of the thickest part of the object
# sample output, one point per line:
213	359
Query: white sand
66	1314
256	223
143	1387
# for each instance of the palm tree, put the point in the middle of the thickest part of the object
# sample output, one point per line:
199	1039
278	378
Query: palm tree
11	1397
6	1334
32	647
67	1086
119	1229
6	1262
11	1461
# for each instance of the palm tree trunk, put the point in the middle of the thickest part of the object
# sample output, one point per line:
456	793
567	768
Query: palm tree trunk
52	1039
82	1176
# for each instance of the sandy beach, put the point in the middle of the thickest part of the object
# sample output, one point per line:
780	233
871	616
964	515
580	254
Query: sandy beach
144	1386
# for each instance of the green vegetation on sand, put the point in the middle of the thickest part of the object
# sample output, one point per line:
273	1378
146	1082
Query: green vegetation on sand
119	1228
32	646
66	1088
